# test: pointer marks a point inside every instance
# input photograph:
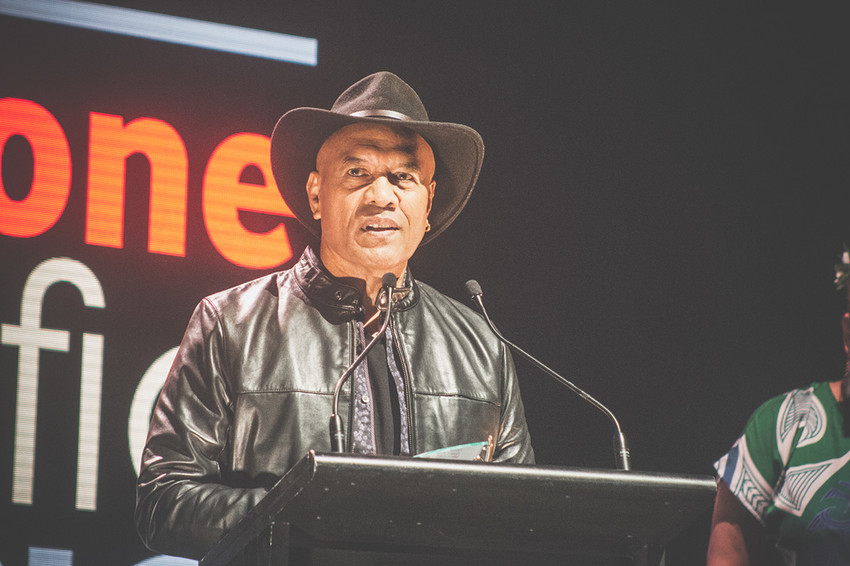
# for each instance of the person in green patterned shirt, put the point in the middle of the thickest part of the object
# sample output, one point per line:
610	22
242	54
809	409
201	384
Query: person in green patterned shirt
783	493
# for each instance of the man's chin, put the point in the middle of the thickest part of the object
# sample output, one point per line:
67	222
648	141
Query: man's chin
381	259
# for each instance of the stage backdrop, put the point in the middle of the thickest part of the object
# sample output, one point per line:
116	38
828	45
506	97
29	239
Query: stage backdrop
662	199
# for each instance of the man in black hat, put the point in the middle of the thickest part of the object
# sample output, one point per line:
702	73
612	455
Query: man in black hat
252	386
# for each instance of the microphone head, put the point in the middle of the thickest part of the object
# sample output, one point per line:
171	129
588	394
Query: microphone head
388	280
473	288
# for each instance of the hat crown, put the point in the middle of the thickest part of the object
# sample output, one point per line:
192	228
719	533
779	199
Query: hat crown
378	93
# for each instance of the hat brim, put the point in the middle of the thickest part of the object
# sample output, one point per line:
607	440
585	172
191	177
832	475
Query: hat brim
300	133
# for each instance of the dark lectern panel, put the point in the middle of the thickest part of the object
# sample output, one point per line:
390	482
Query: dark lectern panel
407	504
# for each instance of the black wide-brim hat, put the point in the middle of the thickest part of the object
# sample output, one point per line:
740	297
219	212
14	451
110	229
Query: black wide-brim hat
381	98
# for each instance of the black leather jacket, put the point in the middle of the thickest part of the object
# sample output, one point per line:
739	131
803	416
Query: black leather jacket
250	393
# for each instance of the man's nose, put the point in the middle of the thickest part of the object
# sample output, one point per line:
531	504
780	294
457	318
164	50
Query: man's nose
381	192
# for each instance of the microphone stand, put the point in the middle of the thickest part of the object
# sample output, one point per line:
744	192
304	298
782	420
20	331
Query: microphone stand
623	456
336	429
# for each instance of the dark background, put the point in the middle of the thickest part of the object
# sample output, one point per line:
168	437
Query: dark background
663	197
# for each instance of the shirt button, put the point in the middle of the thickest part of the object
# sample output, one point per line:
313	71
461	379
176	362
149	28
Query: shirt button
364	399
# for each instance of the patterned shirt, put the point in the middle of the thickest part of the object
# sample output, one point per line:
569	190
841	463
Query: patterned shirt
791	470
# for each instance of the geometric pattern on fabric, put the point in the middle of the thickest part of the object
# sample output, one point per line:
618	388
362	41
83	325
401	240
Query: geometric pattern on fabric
749	485
802	482
797	440
801	409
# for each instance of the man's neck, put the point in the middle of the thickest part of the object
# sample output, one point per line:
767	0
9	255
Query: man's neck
367	281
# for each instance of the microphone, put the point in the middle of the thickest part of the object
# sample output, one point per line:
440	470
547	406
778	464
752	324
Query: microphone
623	457
388	282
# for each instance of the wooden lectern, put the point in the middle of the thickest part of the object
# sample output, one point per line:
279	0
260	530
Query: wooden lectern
346	509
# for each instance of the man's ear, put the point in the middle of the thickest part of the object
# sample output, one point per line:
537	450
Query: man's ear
313	183
431	188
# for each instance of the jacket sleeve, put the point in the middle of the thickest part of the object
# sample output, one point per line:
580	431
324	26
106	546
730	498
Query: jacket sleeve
183	502
514	443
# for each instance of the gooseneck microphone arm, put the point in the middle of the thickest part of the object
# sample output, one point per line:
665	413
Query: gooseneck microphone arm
623	457
388	282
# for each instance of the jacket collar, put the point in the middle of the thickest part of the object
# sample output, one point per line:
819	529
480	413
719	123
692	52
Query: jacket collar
338	301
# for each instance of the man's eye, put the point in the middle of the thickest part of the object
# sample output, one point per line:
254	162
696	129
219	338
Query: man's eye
357	172
402	176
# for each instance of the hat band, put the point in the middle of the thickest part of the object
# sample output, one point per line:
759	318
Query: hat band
381	114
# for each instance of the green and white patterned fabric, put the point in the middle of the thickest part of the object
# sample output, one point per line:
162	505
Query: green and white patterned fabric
791	470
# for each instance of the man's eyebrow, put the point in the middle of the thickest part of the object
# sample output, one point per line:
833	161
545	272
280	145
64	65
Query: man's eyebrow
352	160
412	165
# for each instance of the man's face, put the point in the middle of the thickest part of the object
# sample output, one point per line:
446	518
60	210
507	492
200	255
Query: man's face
372	192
